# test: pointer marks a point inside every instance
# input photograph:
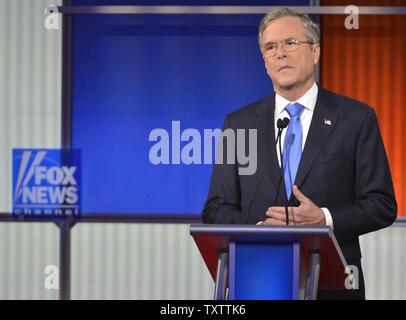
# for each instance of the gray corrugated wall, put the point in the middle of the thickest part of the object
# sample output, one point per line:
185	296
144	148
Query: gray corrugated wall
137	261
384	263
109	261
30	84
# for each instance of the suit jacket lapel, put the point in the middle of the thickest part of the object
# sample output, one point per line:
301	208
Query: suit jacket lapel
323	121
266	139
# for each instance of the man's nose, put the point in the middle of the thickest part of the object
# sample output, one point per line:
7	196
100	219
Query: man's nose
280	51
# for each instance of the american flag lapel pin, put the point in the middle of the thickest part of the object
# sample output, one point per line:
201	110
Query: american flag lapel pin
327	122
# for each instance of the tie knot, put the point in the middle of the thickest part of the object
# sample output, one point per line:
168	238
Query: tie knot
294	109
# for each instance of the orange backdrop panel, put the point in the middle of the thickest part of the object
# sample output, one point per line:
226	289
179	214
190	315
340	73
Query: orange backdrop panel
368	64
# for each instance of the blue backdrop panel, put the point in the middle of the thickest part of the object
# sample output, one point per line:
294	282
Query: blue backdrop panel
136	73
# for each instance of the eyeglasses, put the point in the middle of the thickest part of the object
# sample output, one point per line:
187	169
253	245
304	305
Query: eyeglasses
269	49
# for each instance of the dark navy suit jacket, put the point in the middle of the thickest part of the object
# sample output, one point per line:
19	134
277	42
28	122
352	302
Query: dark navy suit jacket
343	167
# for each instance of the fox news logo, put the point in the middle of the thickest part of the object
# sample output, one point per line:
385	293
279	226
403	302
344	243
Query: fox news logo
46	182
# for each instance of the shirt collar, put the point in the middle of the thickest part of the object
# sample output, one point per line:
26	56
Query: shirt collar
308	100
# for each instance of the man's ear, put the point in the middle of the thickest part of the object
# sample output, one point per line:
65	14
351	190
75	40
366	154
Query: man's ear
316	52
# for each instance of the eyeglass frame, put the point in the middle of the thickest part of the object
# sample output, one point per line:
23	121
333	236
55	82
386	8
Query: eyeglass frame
283	45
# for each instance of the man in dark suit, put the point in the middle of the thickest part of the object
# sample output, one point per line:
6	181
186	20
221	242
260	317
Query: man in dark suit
336	171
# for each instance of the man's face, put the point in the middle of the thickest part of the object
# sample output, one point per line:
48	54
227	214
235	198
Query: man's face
290	69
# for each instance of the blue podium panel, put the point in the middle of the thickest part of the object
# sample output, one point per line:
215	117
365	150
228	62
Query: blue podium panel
260	271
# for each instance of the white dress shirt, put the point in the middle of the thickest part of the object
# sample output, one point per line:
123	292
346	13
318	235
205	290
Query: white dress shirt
308	101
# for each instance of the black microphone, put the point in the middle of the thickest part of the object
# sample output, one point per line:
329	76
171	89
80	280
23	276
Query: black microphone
281	124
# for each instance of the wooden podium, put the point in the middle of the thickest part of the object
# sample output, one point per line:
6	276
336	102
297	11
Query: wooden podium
270	262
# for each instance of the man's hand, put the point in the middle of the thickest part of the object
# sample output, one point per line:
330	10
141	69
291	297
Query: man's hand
306	214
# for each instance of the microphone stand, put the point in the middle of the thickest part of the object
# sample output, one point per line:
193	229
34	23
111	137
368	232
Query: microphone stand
283	180
282	124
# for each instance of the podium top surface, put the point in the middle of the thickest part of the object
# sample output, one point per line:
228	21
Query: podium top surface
212	238
234	230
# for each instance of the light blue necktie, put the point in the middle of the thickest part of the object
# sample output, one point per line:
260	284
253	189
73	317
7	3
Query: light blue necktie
292	148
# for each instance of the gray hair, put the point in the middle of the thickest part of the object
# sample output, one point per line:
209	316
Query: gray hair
311	29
